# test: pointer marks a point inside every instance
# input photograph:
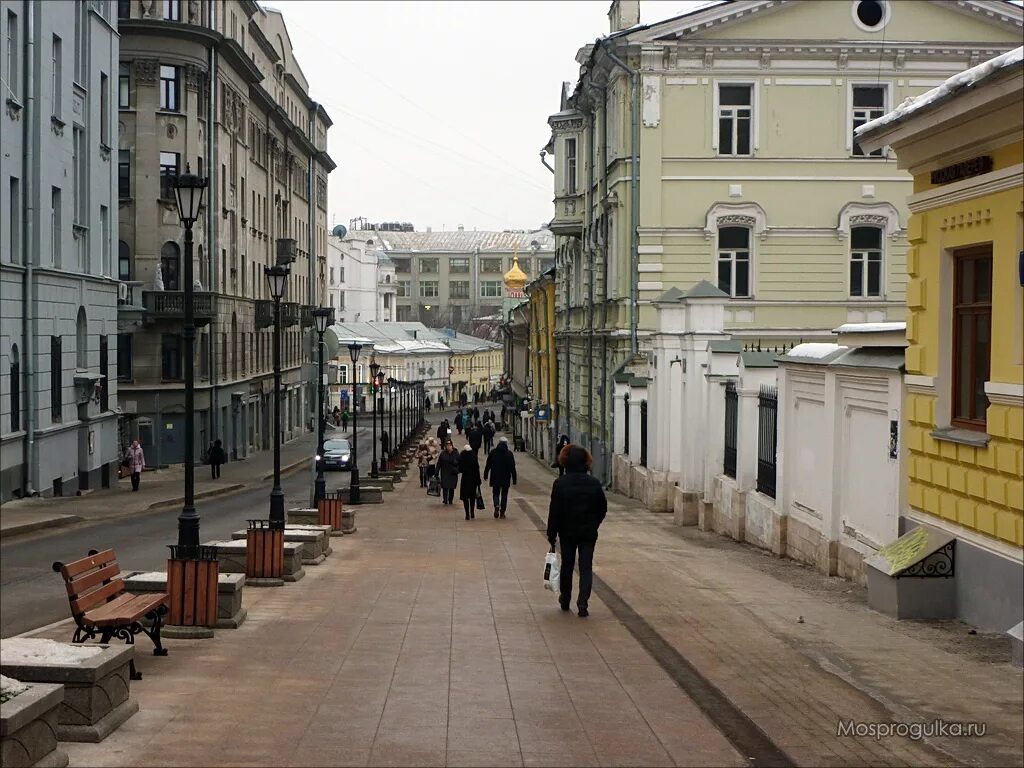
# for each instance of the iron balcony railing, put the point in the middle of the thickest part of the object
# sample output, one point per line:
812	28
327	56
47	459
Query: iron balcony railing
170	305
289	313
264	313
731	423
767	436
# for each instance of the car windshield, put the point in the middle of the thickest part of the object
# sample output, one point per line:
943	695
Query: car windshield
336	445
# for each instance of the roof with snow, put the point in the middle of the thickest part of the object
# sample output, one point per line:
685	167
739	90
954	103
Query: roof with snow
467	241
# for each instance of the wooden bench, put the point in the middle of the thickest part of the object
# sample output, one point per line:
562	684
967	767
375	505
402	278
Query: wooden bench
100	604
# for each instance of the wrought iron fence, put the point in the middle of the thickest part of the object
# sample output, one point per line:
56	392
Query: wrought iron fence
643	433
625	416
767	435
732	405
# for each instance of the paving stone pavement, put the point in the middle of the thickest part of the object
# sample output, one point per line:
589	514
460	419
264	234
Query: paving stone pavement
426	639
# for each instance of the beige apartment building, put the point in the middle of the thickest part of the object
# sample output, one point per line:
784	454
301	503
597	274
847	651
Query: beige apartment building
215	87
718	145
445	279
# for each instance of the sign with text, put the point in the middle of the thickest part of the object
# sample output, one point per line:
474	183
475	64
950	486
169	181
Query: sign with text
964	170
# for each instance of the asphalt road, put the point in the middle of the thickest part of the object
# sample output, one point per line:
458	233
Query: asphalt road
32	595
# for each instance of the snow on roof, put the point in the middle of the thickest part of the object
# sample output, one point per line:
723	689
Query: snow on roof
815	350
957	82
870	327
36	650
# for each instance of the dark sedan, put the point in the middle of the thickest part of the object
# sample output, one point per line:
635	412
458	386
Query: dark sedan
337	454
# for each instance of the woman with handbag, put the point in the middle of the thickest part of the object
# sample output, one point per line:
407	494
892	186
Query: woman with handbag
448	472
469	488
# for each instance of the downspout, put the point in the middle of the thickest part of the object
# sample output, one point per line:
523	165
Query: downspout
634	194
592	154
606	385
30	172
311	391
213	206
544	162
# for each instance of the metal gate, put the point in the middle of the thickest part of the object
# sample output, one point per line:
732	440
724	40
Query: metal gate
731	422
767	436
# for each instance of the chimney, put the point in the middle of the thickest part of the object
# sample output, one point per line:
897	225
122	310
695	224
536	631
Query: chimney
623	14
429	229
461	228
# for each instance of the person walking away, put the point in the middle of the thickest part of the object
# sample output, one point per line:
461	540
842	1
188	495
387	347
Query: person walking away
563	440
488	430
578	506
344	419
136	462
469	486
448	472
475	436
501	466
458	422
423	461
337	416
217	457
444	430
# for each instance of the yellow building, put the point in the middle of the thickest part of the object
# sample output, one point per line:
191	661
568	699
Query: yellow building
962	142
476	365
544	368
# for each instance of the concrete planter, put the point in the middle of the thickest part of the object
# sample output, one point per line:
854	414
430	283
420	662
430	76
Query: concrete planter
385	483
230	613
232	557
348	521
28	728
315	542
96	691
309	518
368	494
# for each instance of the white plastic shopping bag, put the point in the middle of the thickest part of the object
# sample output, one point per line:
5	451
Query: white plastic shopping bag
551	571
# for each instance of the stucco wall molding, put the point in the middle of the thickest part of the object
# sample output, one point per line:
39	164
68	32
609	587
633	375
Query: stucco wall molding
883	215
968	189
749	215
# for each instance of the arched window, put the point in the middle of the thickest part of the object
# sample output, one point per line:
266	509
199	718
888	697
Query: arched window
234	346
124	261
734	261
15	389
865	262
170	266
81	341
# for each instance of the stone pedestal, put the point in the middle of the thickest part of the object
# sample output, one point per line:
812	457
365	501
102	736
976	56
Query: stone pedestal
1017	645
368	494
913	577
232	557
96	691
348	521
314	542
28	728
386	484
230	613
309	518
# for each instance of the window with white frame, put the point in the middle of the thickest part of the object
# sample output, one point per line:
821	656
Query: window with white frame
734	261
865	262
343	374
404	288
428	289
490	289
570	166
868	105
735	119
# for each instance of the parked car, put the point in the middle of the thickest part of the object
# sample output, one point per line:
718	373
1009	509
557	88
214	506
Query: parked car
337	454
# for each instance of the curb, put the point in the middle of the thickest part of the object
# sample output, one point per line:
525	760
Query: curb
289	469
211	494
36	525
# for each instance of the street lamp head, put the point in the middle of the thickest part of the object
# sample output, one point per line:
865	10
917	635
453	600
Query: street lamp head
277	279
374	370
354	348
380	378
188	193
321	319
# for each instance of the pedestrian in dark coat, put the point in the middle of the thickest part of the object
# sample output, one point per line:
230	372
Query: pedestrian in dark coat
344	419
475	436
563	440
443	430
469	486
488	430
501	466
458	422
448	472
217	457
578	507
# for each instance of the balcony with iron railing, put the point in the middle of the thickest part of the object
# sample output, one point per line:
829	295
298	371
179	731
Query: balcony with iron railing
289	313
264	313
170	306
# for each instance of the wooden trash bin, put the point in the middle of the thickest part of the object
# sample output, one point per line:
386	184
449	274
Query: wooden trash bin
264	551
330	510
192	576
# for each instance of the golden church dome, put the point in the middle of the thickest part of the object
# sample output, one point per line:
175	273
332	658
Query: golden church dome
515	278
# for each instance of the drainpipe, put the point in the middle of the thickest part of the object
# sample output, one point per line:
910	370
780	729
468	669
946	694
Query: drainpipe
544	162
212	214
606	385
592	154
30	172
634	194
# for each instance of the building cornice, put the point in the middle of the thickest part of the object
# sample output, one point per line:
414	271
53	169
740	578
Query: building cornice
175	30
234	55
968	189
256	33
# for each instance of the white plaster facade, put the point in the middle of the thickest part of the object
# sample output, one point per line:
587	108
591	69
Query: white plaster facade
361	284
58	220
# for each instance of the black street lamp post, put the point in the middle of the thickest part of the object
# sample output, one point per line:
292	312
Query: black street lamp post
188	193
391	420
355	346
380	381
322	318
277	280
374	370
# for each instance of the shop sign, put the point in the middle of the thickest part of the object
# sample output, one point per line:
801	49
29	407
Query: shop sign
965	170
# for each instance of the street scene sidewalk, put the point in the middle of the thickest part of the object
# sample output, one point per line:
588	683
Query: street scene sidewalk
427	639
158	488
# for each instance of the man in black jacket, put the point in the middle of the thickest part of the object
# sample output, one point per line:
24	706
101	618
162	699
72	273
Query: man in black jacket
501	466
578	507
475	436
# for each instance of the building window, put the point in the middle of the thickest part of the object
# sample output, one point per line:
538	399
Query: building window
104	110
169	163
170	264
871	15
458	289
404	288
56	376
428	289
14	222
81	341
735	112
168	88
124	357
428	266
868	105
170	356
172	10
105	373
55	227
343	374
15	389
458	265
105	267
332	275
124	173
79	171
972	335
490	265
401	265
124	9
570	166
865	262
124	261
490	289
734	261
124	83
546	264
55	77
13	46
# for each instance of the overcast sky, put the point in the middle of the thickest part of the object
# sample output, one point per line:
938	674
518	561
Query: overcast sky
440	108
